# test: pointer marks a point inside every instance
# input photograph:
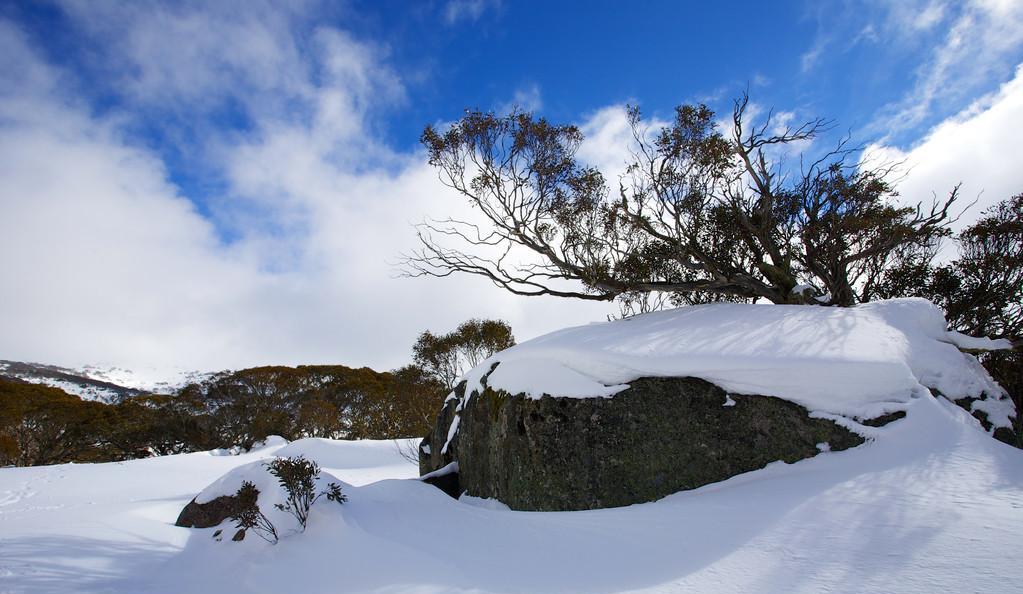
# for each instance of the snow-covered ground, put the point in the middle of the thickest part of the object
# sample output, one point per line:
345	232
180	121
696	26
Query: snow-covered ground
933	504
155	380
82	390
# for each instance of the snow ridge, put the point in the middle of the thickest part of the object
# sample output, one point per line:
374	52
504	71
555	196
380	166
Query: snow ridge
855	362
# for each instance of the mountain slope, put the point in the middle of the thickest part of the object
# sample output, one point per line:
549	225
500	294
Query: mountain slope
104	384
70	380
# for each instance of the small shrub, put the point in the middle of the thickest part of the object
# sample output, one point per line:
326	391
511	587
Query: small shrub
298	477
333	493
248	516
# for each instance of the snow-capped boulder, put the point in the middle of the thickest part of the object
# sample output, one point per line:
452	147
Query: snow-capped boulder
630	411
218	501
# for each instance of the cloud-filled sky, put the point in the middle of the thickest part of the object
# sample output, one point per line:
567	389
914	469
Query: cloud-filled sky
215	185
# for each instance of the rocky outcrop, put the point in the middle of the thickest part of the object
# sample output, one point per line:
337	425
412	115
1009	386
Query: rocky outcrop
207	515
436	451
1003	434
659	436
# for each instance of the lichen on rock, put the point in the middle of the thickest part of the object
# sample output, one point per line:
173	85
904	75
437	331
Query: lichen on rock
659	436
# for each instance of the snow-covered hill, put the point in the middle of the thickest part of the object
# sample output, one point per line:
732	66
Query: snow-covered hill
102	383
72	381
932	504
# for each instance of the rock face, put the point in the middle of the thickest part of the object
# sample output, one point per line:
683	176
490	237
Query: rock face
1009	435
659	436
432	452
206	515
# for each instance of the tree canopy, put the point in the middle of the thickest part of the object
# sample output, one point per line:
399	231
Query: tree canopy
700	214
448	356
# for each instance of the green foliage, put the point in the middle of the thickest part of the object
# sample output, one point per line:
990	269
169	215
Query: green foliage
417	395
982	290
247	515
319	418
297	476
157	425
333	493
448	356
43	425
332	401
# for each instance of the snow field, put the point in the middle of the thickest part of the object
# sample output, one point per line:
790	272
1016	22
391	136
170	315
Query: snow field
931	504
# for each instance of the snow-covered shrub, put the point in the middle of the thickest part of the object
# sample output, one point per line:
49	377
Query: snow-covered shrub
247	515
267	496
297	475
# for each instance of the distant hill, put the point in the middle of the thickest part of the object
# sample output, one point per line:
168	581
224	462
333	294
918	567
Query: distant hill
72	381
102	384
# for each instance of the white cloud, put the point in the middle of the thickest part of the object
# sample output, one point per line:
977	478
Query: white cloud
94	238
526	98
961	50
106	262
607	138
809	59
182	53
978	147
456	11
971	46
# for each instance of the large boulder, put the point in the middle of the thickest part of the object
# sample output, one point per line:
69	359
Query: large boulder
657	437
611	414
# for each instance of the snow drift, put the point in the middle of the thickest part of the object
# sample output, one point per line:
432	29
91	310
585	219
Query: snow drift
932	504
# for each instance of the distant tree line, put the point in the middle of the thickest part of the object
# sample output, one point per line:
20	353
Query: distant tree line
44	425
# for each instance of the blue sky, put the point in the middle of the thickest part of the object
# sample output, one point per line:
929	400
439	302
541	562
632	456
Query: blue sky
565	60
227	183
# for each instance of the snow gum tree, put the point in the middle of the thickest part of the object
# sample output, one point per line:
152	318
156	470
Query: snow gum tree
700	214
447	357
